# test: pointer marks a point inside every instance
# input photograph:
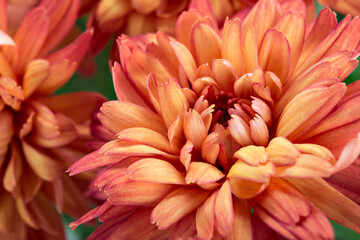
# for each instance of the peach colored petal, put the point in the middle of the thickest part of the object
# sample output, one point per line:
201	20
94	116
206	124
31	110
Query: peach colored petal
14	169
25	214
223	209
124	90
177	205
259	131
60	73
172	101
301	108
252	155
241	228
62	17
249	48
337	207
186	227
137	193
240	131
205	219
185	154
176	135
282	152
150	64
155	171
231	44
194	128
145	136
336	91
31	35
274	53
259	174
45	167
35	73
224	74
186	60
349	154
3	14
116	119
306	166
244	189
210	148
293	27
203	38
202	173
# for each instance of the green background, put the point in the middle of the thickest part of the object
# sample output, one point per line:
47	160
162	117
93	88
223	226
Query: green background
101	82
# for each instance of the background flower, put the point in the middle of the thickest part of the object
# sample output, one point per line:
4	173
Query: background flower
205	121
41	134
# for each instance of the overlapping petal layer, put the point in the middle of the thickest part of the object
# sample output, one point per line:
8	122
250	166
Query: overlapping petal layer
41	134
215	122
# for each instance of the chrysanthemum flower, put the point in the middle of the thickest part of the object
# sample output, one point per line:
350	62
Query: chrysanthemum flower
215	123
343	6
40	135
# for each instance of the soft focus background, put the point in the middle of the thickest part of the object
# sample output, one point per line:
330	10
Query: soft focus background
101	82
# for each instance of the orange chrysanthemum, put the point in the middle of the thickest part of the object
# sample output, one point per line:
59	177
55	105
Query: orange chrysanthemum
216	122
40	135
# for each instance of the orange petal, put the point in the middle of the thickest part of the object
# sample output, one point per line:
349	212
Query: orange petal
137	193
245	189
223	209
210	148
176	135
307	166
177	205
202	173
194	128
293	27
274	54
124	89
259	131
282	152
249	48
172	101
300	109
35	73
205	219
185	228
231	44
206	42
45	167
252	155
337	207
185	154
186	60
224	74
240	131
241	228
31	35
145	136
13	170
116	119
259	174
155	171
349	154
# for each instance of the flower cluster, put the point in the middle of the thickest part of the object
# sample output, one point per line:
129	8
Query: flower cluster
232	120
40	134
220	121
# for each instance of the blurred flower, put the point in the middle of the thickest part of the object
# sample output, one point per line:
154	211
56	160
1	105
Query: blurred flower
214	123
41	135
343	6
